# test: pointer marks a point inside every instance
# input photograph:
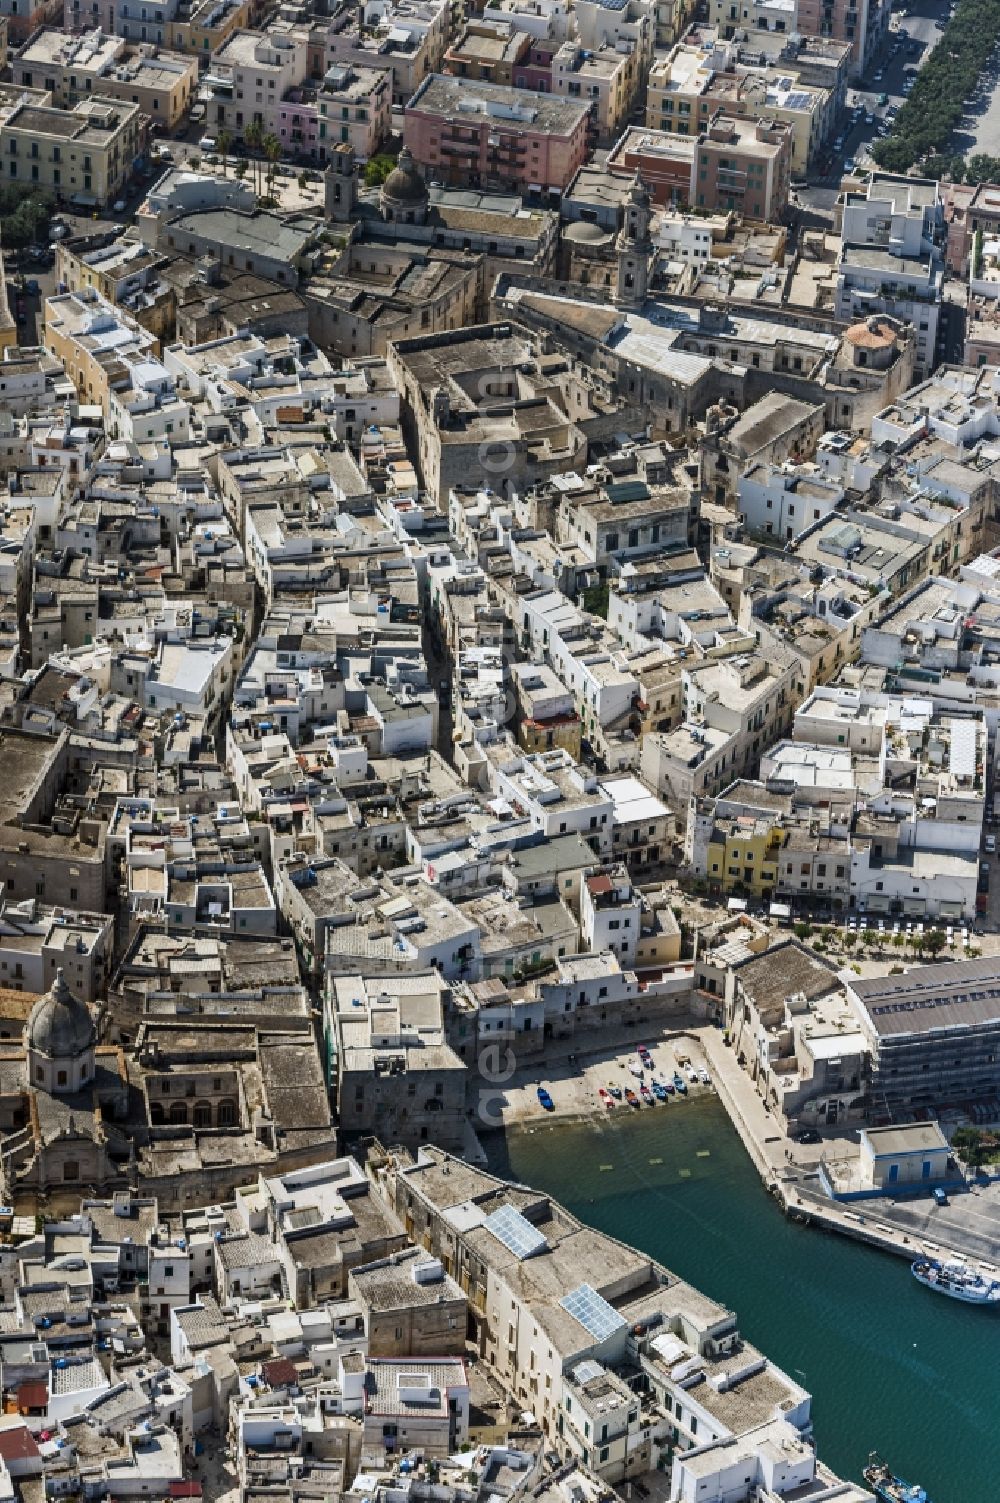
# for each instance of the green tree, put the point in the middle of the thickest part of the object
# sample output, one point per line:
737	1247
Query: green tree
240	169
272	150
597	599
924	126
935	941
26	213
377	169
225	141
253	135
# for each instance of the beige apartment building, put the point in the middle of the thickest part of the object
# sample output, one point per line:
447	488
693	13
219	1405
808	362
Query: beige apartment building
194	27
408	37
688	87
251	74
85	155
775	96
685	90
607	80
71	68
202	28
93	341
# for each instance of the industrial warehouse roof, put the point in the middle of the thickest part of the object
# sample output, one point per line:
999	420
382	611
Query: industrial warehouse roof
963	994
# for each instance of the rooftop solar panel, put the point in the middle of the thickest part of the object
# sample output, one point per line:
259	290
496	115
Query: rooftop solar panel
516	1232
593	1312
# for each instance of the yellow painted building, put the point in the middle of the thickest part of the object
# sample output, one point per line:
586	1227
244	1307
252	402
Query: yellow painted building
209	25
85	155
743	855
543	735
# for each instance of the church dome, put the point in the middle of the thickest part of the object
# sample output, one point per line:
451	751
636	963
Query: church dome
582	232
404	184
60	1025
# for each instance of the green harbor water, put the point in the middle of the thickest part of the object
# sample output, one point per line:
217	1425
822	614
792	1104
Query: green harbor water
890	1365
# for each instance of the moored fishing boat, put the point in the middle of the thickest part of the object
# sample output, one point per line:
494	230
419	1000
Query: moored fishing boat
889	1488
957	1280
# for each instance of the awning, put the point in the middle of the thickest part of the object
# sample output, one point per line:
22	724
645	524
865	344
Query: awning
737	905
876	902
780	910
915	907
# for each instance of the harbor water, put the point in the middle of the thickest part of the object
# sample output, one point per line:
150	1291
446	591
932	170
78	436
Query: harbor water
891	1366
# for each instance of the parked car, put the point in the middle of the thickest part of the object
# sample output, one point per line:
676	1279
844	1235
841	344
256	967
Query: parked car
990	845
808	1135
207	143
940	1196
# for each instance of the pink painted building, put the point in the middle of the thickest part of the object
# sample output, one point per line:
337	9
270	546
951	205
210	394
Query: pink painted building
352	106
535	72
480	135
861	23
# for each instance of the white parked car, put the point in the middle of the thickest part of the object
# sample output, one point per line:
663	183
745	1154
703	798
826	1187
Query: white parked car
990	845
207	143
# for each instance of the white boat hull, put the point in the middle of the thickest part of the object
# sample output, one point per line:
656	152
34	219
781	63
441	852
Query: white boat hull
983	1292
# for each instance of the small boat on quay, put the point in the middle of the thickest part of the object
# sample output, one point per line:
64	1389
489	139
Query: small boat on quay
659	1090
605	1098
680	1084
958	1280
647	1095
889	1488
631	1097
636	1069
614	1091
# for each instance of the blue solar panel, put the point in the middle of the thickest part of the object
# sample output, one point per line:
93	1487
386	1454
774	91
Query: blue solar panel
593	1312
516	1232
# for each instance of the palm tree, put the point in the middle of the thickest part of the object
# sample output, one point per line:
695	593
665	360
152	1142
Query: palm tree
253	134
272	150
225	141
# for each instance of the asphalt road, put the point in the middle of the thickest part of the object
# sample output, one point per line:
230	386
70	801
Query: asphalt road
906	50
970	1220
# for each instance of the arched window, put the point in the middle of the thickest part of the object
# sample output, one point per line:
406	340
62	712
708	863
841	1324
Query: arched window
178	1111
71	1169
203	1114
156	1113
227	1112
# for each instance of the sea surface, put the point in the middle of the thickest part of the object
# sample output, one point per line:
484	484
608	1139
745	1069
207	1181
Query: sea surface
891	1366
